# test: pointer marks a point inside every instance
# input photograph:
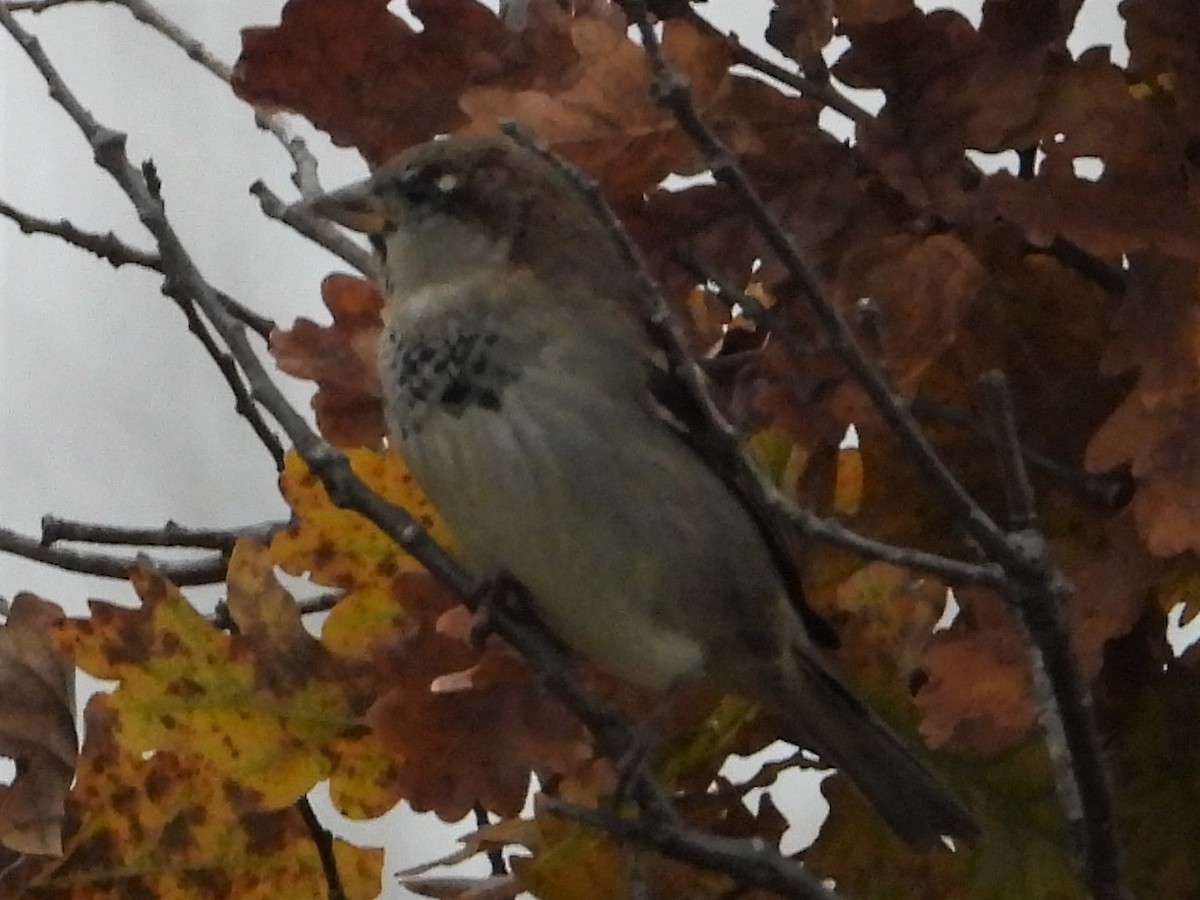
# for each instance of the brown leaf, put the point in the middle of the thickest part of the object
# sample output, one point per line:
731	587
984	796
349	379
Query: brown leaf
603	117
799	29
1027	23
37	727
924	290
1156	430
1140	201
364	76
479	741
978	693
1164	57
948	88
1113	575
341	359
857	12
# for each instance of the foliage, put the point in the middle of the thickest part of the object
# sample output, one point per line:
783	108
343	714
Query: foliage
1009	207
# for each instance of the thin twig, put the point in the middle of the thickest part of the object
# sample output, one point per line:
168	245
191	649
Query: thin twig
305	164
208	570
322	839
222	618
298	217
754	864
1065	707
496	854
107	246
256	322
36	6
170	534
242	401
1022	504
830	531
823	92
117	253
1108	491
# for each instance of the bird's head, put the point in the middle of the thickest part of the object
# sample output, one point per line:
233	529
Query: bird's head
449	207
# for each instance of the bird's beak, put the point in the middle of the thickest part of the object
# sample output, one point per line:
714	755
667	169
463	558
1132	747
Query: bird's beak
357	207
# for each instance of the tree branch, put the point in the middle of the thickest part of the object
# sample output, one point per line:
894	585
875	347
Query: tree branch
753	864
304	165
1064	704
823	92
304	175
1108	491
319	231
107	246
323	841
209	570
171	534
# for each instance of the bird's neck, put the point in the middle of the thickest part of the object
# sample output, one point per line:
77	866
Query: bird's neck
441	251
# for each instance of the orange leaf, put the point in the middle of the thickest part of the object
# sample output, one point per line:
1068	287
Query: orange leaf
480	740
341	359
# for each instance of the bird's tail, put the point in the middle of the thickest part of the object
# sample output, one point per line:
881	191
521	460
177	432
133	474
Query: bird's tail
897	783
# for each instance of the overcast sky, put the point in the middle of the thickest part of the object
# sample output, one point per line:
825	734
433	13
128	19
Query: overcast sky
111	411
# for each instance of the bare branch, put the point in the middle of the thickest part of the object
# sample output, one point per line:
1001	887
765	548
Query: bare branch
323	841
256	322
1022	505
305	174
37	6
208	570
242	401
317	230
171	534
752	863
822	91
107	246
1064	703
1110	491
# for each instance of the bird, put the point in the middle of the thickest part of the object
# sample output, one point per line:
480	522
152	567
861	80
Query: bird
529	401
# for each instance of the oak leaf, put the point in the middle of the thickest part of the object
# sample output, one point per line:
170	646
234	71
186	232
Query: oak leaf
261	719
362	74
168	824
465	728
341	359
37	727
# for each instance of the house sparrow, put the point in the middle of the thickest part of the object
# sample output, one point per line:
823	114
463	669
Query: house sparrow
527	399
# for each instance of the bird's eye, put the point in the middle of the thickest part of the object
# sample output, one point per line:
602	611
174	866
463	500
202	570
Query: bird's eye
430	186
